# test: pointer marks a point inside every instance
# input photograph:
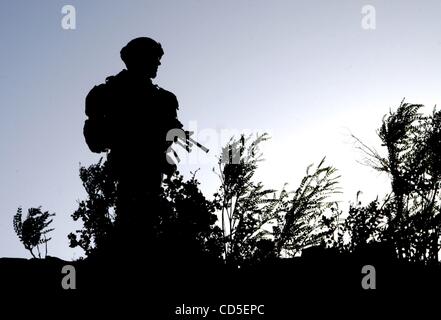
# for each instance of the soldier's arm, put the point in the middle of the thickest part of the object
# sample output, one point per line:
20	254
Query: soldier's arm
171	105
174	108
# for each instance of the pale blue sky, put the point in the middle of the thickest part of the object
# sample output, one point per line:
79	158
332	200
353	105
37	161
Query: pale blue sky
304	71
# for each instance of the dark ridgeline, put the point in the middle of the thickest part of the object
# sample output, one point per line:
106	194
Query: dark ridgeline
152	244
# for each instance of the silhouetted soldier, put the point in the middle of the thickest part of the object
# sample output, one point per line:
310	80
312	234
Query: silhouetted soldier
129	117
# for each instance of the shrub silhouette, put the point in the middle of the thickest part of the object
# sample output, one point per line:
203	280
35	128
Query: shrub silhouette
311	216
33	229
246	207
185	222
260	223
257	223
413	162
98	211
364	225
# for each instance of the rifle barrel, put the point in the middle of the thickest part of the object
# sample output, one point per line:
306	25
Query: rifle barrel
188	142
198	144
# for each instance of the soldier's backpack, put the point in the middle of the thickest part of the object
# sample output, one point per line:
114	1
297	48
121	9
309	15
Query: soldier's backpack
96	127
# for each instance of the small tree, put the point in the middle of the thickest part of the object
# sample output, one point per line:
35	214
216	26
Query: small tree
32	231
413	162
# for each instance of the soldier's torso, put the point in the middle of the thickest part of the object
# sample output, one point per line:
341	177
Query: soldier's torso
140	115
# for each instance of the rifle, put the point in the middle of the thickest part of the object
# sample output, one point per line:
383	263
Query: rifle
183	138
189	142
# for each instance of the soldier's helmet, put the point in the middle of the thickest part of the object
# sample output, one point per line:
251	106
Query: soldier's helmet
141	49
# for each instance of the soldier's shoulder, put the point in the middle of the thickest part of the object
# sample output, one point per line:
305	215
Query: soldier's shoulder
164	92
109	82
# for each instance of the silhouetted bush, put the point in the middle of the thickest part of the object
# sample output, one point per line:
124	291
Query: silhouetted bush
184	221
98	211
260	223
312	214
32	230
257	223
187	219
413	162
363	226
